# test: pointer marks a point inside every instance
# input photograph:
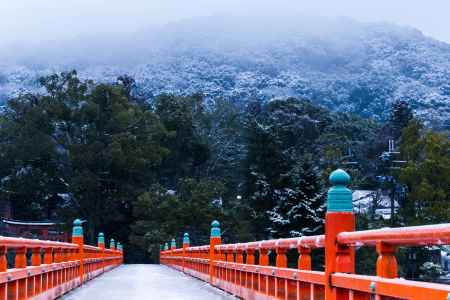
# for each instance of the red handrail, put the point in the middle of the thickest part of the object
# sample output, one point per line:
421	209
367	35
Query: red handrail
404	236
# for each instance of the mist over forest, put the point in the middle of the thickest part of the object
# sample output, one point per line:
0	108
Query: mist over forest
335	62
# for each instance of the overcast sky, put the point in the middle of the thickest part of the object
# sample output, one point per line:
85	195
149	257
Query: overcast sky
59	19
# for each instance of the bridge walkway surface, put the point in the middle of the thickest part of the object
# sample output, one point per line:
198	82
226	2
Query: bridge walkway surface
146	282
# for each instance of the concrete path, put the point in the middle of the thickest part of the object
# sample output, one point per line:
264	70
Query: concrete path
146	282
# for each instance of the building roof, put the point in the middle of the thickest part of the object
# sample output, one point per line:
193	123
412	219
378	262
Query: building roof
29	223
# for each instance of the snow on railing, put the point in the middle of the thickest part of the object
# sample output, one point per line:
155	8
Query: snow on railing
243	269
54	268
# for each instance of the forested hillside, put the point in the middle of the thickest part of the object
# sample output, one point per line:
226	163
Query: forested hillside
337	63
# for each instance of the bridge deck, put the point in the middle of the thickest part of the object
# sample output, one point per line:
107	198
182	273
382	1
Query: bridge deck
133	282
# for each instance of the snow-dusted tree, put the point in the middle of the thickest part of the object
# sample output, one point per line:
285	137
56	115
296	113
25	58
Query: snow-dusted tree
282	184
300	208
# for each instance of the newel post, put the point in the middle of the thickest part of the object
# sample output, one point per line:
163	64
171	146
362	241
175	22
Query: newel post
77	238
173	244
120	249
339	218
215	239
101	245
101	241
186	244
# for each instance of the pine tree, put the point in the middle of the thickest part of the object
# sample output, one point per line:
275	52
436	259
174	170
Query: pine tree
401	115
281	136
426	174
188	150
162	214
300	209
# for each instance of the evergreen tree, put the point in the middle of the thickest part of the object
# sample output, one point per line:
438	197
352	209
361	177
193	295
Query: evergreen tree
300	210
281	138
183	118
30	163
401	115
163	214
426	174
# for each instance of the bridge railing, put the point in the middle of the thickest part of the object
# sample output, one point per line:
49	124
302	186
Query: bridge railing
46	269
244	270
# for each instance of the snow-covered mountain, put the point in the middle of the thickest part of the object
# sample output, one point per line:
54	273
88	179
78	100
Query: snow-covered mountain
336	62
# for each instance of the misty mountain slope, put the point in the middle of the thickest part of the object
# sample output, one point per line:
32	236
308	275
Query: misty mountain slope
336	62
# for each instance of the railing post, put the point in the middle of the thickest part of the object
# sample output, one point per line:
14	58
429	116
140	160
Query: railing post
173	244
120	249
48	256
36	256
3	258
3	268
239	255
386	262
215	239
77	238
263	256
21	263
101	245
250	256
304	258
281	260
186	243
112	246
339	218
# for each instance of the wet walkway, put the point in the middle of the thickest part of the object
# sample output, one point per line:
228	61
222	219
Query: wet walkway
146	282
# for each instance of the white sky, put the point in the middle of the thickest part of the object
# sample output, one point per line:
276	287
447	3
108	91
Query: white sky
34	20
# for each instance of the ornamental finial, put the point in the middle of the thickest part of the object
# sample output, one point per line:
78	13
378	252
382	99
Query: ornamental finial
339	196
215	229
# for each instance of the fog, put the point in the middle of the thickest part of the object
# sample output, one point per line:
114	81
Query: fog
55	19
31	28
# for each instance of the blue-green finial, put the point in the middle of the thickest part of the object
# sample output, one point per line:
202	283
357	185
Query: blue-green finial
215	229
173	244
186	239
77	230
119	246
339	196
166	247
112	244
101	238
161	247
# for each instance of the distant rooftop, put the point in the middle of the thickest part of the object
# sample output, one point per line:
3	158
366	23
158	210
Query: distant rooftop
34	223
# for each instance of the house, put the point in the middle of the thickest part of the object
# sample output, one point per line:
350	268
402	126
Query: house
377	202
44	230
